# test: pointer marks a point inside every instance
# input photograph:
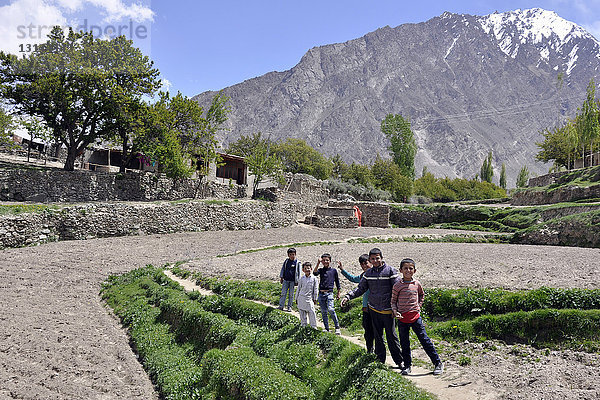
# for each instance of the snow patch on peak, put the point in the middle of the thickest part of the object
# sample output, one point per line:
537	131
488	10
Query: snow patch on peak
535	26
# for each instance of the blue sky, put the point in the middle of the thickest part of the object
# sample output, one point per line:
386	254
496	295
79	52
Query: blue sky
208	45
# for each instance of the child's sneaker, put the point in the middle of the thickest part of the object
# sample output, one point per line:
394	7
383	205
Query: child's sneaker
338	331
405	371
288	309
439	368
280	308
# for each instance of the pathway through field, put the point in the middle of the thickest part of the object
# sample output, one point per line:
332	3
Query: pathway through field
449	386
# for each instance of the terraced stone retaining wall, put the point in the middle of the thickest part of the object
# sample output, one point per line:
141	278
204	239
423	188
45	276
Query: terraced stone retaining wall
106	220
46	186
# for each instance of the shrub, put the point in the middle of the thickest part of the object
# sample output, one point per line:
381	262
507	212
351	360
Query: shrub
240	373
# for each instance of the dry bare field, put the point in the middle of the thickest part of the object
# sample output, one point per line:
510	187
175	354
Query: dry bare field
58	340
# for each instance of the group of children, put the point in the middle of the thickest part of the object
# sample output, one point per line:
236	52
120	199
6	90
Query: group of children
390	299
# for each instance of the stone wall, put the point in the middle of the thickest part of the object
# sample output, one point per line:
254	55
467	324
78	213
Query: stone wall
559	195
47	186
373	214
583	231
303	191
106	220
328	221
545	180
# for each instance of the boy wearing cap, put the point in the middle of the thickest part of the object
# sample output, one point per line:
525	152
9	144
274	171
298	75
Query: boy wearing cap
407	299
288	277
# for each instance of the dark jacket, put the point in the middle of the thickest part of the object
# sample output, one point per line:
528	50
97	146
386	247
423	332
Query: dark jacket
290	271
379	282
329	277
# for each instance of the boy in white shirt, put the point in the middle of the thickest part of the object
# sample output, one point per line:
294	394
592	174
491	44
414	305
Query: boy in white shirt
306	295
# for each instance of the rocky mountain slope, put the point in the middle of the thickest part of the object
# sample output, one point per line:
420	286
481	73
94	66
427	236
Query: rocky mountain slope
468	84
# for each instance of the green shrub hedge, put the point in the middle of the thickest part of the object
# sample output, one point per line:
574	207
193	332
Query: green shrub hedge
542	328
224	347
239	373
467	303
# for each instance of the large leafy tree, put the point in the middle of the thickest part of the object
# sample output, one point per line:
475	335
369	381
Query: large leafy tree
388	176
262	161
159	142
560	144
403	146
566	142
77	85
299	157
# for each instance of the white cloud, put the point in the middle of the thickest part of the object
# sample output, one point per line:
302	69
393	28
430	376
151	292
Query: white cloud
116	10
24	23
27	22
165	85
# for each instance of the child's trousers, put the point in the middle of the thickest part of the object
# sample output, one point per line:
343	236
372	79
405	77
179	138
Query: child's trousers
419	329
312	317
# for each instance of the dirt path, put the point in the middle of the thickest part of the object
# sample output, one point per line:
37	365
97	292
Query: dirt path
58	340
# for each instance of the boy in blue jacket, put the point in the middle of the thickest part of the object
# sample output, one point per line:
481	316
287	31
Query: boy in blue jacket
379	280
288	277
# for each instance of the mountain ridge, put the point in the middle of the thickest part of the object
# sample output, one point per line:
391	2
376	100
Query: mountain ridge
464	91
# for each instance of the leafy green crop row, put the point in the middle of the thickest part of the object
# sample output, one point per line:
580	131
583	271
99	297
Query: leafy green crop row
462	304
223	347
543	328
466	303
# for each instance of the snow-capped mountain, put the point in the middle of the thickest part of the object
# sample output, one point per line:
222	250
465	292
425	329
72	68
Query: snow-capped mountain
554	38
468	84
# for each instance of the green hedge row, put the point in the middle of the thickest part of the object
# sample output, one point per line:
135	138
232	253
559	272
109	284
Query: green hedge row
467	303
239	373
443	304
169	365
542	328
235	348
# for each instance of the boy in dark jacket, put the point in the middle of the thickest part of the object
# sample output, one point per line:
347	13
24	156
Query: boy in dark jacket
288	277
379	281
328	278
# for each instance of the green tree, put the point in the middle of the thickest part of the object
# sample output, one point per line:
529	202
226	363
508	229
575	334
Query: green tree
559	145
587	125
207	142
339	167
387	175
74	83
260	157
7	127
523	177
298	157
360	174
403	146
159	142
503	176
487	170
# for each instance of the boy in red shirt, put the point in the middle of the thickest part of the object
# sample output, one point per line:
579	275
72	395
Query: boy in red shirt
407	299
